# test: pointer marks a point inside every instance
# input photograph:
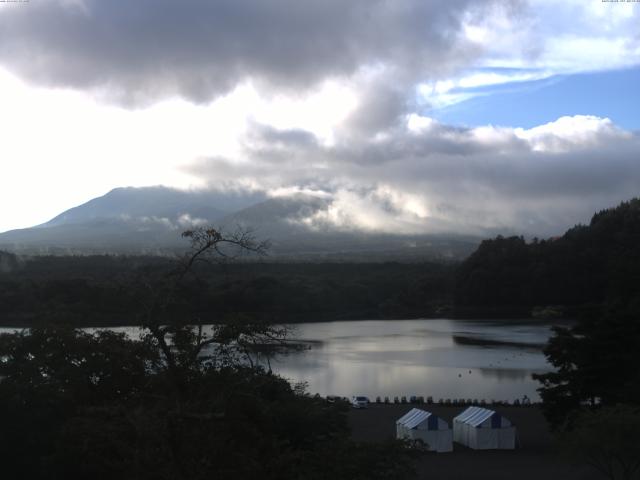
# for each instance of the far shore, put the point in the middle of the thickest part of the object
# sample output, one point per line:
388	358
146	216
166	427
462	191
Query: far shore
104	323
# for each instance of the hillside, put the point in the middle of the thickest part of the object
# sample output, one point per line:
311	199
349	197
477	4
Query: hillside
149	221
587	266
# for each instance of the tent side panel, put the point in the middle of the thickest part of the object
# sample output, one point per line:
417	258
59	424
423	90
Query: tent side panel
507	438
458	428
427	436
486	438
471	437
445	441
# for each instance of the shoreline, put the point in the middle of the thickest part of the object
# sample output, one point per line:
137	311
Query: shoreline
28	323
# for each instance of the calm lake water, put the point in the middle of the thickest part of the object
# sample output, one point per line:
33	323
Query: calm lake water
441	358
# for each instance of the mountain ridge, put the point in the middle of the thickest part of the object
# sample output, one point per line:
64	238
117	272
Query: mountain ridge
150	220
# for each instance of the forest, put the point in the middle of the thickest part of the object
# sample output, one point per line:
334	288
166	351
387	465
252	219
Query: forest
106	290
589	266
508	277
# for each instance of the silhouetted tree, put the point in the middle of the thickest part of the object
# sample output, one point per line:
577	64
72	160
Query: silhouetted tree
181	402
595	365
606	439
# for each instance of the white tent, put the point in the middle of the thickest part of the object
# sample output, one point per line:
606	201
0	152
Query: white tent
483	429
420	425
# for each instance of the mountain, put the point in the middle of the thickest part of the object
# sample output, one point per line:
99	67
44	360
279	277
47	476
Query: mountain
140	220
156	202
127	203
150	220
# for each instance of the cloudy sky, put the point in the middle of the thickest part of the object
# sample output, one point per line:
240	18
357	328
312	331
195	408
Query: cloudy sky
408	115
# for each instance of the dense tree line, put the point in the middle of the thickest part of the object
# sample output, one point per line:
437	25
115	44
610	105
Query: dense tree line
592	398
586	267
106	290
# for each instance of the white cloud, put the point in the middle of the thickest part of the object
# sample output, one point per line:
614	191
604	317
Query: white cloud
62	147
321	99
383	209
187	221
575	54
543	39
572	133
483	79
426	177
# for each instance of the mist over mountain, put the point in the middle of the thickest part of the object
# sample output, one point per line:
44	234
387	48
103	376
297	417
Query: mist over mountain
150	220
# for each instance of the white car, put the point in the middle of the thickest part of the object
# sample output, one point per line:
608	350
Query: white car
359	402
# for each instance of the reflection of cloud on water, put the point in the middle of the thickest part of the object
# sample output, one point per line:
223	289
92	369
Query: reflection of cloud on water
346	379
443	356
417	357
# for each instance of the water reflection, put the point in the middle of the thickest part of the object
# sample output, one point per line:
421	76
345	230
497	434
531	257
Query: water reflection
420	357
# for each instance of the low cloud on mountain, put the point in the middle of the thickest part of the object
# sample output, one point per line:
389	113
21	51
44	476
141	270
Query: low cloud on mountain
425	177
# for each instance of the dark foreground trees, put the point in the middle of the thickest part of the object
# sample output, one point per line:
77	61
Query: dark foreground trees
79	405
183	401
607	440
589	266
592	399
596	364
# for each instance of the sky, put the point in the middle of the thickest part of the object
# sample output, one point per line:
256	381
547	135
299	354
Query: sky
409	116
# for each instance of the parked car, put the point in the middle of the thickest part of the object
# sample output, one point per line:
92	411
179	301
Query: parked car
359	402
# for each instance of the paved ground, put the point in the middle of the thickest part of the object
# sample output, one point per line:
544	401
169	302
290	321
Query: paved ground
535	457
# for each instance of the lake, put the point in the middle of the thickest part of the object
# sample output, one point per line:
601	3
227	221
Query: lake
491	360
441	358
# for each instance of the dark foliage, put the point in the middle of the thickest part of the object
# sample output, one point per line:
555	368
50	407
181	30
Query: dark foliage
107	290
79	405
606	439
596	365
182	402
586	267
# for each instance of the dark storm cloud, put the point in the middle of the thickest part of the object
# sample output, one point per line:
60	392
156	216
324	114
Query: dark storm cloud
142	50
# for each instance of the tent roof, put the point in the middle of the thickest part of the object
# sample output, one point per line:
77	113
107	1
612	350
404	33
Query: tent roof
410	413
475	416
415	417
